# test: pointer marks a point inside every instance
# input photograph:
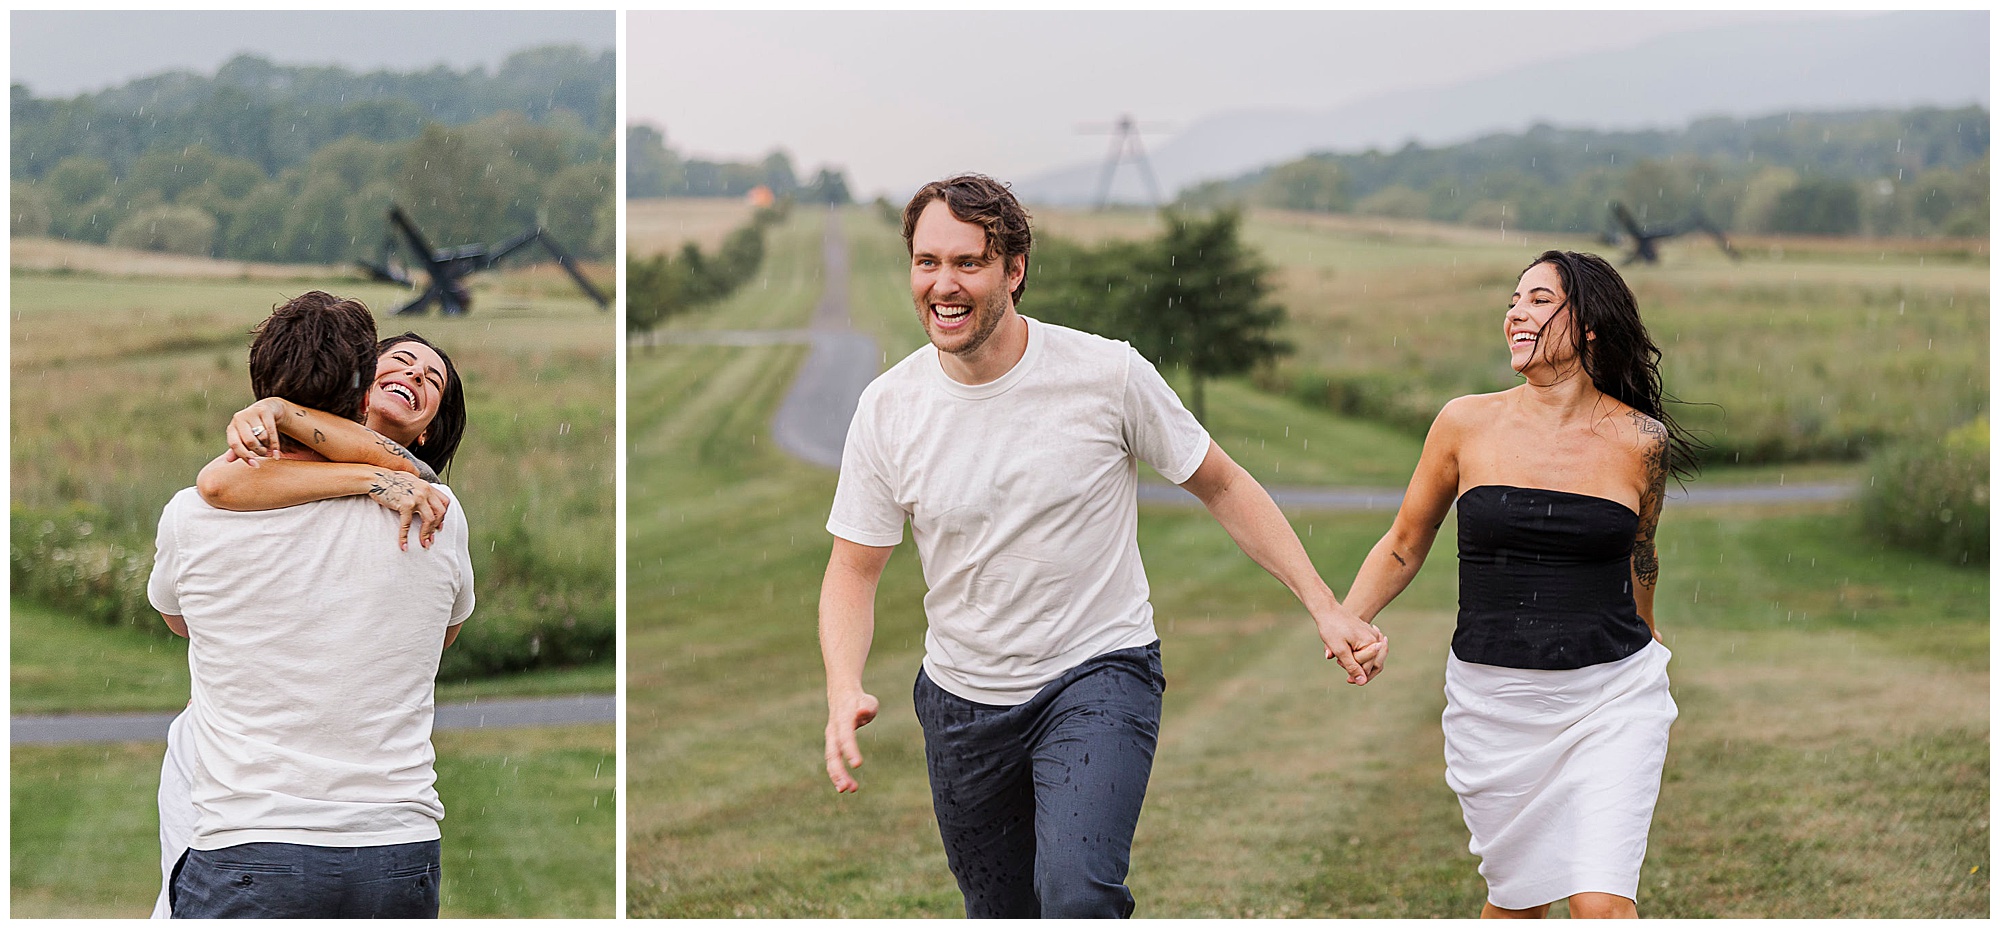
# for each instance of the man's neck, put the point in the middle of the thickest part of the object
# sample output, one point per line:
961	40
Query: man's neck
300	454
992	360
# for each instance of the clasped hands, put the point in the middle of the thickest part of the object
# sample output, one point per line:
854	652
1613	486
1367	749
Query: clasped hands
1359	646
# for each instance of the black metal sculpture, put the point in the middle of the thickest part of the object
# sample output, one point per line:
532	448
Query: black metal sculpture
448	268
1643	238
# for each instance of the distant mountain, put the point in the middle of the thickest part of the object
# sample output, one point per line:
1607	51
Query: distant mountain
1888	61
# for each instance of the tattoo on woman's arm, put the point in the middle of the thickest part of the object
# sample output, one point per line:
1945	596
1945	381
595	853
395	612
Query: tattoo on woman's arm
394	448
319	438
1399	559
388	484
1645	554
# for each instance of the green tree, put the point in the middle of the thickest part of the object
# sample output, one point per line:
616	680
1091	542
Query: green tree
258	224
572	202
317	223
182	230
78	179
1821	206
828	187
651	169
1310	183
1196	297
29	212
458	186
1211	309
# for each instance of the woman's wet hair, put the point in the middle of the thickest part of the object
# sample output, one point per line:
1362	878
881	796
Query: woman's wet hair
1622	361
440	440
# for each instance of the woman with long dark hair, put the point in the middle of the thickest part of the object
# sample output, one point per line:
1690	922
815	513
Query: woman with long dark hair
1557	707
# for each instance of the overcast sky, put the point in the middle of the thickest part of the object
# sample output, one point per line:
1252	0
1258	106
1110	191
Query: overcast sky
64	54
891	96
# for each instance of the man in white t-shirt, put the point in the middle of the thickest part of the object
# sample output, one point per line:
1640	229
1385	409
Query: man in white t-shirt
314	644
1011	448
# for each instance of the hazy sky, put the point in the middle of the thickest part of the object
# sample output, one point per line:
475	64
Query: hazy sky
895	97
64	54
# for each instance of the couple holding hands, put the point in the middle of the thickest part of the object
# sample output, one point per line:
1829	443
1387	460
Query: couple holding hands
1010	447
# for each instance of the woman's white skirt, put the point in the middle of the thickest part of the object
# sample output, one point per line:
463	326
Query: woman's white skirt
176	799
1557	772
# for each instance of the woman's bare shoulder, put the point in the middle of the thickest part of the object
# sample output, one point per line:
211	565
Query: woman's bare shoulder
1634	429
1472	409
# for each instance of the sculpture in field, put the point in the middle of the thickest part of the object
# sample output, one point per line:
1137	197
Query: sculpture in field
448	268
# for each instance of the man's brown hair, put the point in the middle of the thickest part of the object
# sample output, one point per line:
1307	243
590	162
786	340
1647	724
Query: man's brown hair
983	202
316	350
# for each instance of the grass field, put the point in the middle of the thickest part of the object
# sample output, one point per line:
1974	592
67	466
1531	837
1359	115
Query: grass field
120	388
1830	759
529	825
1805	350
121	383
659	225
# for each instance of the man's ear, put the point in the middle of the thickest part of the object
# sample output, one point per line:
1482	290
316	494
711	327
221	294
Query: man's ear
1017	270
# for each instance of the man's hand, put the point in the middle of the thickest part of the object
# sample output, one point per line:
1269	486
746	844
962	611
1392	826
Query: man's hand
1360	647
413	501
843	751
253	432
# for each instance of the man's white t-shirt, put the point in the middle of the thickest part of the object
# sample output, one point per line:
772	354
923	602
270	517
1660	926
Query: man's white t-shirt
1022	495
314	647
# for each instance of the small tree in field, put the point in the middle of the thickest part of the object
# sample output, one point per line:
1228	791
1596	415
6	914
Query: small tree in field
1205	301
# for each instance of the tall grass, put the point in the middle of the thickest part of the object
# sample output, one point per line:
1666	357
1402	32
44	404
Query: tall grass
120	389
1812	353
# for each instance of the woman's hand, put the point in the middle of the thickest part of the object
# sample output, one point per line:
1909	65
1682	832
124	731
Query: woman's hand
253	431
413	501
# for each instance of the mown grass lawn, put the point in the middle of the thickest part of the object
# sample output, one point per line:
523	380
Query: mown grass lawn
1830	758
530	825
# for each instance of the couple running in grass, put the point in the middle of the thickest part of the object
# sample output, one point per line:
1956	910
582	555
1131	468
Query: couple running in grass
1010	446
299	781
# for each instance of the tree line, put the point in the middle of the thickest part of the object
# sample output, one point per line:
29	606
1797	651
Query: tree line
654	169
257	164
1915	172
661	287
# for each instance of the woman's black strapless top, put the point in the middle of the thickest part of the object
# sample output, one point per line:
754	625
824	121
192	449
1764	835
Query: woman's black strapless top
1545	579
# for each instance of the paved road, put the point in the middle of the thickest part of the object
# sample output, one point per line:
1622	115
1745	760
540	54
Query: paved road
812	420
483	714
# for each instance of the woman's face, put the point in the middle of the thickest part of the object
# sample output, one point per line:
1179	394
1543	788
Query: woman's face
1538	321
409	385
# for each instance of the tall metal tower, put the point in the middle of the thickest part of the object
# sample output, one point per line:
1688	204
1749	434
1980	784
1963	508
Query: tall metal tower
1124	140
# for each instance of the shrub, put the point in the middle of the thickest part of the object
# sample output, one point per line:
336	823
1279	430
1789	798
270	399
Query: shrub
181	230
71	560
1931	496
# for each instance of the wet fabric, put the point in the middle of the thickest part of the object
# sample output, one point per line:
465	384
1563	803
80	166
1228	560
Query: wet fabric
279	880
1022	497
313	650
1037	803
1557	772
1545	579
